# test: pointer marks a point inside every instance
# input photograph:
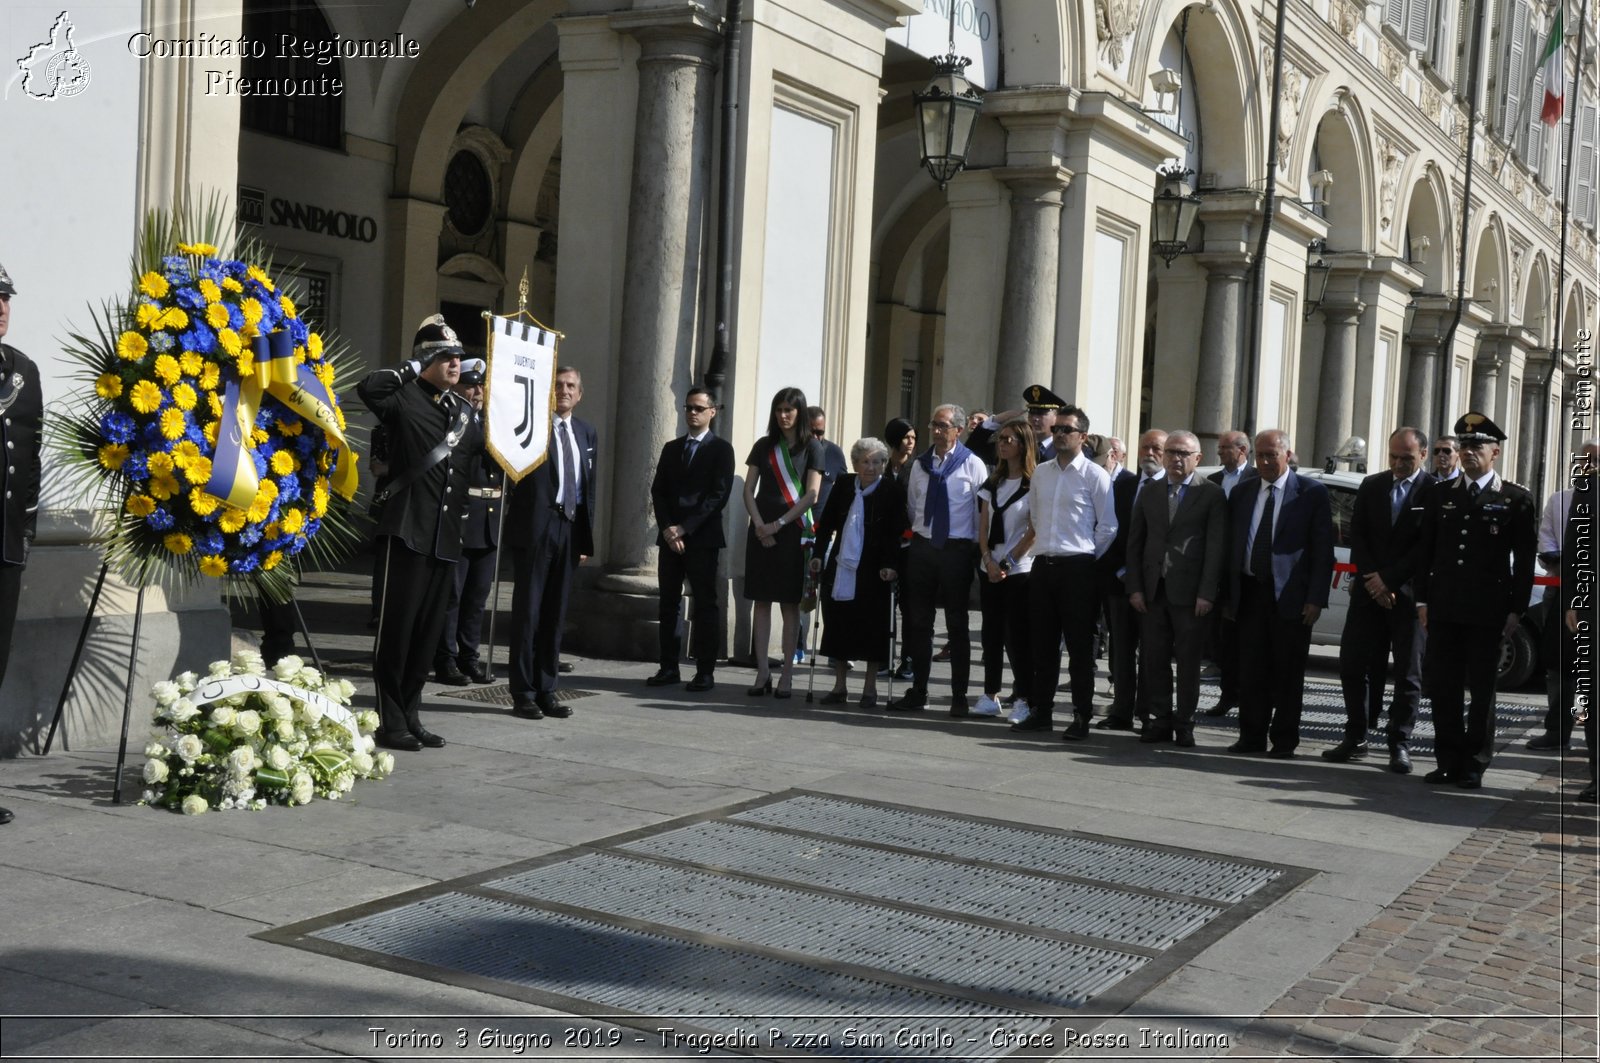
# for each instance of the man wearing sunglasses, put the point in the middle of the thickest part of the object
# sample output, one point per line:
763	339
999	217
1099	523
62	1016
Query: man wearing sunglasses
1073	522
694	477
1446	458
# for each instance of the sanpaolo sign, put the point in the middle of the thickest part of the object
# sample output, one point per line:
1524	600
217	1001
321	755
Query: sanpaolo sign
314	219
977	36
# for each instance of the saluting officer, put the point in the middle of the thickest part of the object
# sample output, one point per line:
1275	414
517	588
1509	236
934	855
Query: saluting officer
1473	577
433	444
21	418
458	662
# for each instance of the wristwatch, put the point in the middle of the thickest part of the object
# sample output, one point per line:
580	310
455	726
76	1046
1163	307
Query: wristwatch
780	520
1005	564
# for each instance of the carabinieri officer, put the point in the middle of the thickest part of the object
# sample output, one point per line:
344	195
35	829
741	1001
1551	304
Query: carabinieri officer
434	441
1473	578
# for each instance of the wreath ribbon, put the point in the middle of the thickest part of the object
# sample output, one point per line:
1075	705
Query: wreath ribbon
276	373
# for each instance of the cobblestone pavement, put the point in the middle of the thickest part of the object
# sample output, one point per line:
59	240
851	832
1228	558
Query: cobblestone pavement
1491	954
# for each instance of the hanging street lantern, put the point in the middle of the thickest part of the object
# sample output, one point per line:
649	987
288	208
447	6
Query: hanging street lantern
947	110
1175	211
1317	271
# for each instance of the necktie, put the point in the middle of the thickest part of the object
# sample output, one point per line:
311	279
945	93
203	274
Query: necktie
569	471
690	445
1261	549
1473	489
1398	502
1174	495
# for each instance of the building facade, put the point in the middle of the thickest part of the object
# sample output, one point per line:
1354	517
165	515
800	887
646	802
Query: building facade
590	143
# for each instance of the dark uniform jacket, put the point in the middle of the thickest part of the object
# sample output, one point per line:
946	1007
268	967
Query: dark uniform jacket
1474	562
482	527
1378	544
693	498
427	512
21	432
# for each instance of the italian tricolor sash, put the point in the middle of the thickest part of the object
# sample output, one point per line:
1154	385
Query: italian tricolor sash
782	463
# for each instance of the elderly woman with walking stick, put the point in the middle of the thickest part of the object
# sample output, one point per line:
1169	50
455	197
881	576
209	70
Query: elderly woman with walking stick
858	552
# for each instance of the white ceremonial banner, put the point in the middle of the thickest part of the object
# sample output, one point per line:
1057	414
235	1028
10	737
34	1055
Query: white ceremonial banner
977	35
519	393
217	689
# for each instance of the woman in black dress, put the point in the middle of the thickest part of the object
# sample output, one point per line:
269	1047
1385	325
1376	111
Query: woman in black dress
781	479
860	534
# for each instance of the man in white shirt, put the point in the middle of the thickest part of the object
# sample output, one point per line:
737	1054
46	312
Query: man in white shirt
942	502
1074	523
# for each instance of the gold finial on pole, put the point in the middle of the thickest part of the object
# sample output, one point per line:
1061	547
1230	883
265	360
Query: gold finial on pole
522	292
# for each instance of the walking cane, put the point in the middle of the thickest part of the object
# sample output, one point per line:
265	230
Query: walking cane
894	638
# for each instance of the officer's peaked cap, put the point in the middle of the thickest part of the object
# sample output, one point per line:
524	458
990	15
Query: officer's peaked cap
1039	397
436	339
1477	428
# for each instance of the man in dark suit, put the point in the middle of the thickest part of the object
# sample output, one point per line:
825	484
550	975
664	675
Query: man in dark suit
433	443
1280	565
550	529
694	477
1176	548
21	432
1122	621
1473	577
1233	452
1383	615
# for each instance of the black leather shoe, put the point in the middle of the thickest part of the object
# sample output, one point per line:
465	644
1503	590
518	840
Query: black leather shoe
1152	735
1077	730
701	681
1546	742
664	677
1036	721
406	741
960	707
1470	781
1437	776
1113	723
1242	746
427	737
1183	739
451	676
834	697
527	710
1280	754
1399	759
474	670
7	817
910	701
551	707
563	667
1588	794
1221	708
1346	750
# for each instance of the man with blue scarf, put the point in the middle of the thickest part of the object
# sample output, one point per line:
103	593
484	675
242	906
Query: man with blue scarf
942	502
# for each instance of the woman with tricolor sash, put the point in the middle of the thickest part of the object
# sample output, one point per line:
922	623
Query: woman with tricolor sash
782	476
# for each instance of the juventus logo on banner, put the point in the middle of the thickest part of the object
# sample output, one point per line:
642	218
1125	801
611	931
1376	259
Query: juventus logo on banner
519	395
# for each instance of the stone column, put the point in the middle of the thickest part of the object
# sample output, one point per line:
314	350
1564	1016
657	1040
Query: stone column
1486	375
1220	346
411	272
1530	435
666	220
1033	266
1336	396
1422	385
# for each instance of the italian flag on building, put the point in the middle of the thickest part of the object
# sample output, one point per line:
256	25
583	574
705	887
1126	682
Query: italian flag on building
1555	74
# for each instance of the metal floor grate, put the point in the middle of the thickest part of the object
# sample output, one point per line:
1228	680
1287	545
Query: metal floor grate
500	694
814	915
1191	874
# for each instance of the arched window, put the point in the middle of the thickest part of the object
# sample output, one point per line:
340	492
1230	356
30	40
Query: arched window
313	117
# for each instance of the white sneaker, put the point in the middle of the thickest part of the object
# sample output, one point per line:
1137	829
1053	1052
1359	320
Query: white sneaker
986	706
1019	711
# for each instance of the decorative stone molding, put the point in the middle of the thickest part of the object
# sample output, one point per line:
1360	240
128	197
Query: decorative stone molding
1392	157
1114	23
